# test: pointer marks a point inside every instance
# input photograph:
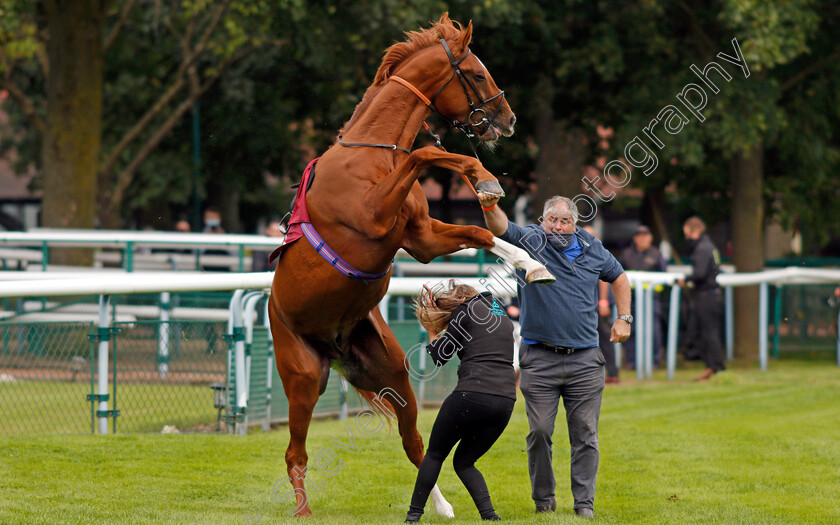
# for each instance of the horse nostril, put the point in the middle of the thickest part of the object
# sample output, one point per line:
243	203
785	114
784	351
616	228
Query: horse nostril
512	121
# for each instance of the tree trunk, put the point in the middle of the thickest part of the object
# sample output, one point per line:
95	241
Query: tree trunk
747	244
562	152
73	132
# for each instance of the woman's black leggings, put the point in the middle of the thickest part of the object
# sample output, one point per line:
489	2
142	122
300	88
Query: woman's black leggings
476	420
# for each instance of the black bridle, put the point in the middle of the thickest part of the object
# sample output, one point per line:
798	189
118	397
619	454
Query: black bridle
477	116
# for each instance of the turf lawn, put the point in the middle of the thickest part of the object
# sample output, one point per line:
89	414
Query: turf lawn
747	447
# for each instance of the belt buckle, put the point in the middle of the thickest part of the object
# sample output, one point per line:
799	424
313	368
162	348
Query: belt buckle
561	349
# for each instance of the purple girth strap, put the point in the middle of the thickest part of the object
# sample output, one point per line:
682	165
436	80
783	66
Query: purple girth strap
334	259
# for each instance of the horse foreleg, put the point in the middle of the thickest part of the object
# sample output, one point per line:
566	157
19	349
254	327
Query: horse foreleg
535	272
387	197
300	373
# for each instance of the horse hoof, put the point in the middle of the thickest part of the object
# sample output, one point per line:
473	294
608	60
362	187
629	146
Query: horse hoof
305	512
490	187
540	276
445	510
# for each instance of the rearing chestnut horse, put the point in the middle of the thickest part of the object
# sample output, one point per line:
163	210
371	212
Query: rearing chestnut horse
364	204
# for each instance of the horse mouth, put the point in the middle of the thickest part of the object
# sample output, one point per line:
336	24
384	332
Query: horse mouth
494	133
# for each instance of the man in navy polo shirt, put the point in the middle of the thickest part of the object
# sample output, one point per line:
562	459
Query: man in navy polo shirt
560	356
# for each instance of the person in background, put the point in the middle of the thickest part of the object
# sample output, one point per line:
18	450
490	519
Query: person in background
605	304
259	261
213	224
213	220
643	256
472	325
706	297
183	226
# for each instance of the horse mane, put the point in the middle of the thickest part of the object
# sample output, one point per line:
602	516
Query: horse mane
454	33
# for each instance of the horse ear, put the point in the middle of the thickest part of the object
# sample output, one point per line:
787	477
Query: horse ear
444	19
466	36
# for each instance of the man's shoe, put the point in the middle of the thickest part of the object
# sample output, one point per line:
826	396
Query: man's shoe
585	513
551	507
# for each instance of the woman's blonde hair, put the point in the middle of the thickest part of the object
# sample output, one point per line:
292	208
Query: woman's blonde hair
434	309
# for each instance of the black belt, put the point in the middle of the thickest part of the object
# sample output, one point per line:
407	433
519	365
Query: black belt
561	349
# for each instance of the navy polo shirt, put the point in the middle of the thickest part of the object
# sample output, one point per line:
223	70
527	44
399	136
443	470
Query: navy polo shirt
564	313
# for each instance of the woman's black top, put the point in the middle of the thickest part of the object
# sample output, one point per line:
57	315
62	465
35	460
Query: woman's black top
481	335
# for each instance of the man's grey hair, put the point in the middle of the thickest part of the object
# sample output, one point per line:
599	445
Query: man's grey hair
561	204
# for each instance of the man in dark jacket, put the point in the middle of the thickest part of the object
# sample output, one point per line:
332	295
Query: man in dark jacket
705	296
643	256
560	356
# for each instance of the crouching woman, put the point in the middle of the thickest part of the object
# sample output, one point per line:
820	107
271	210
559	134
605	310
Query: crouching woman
473	326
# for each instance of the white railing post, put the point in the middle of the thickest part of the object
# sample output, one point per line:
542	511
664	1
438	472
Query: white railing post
729	315
250	301
344	410
673	329
240	388
383	306
421	390
242	362
269	370
102	359
640	333
762	325
650	340
163	335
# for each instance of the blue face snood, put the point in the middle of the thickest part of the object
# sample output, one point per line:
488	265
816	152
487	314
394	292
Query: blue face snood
561	241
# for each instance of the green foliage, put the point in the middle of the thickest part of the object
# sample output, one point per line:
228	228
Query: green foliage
301	67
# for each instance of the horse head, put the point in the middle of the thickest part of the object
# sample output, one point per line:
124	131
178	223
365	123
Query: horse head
457	83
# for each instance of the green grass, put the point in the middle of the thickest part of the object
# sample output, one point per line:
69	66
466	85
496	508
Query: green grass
747	447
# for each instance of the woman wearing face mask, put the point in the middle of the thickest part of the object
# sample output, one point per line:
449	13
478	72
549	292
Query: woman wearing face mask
473	326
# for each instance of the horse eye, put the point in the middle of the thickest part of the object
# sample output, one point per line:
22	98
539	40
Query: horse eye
479	78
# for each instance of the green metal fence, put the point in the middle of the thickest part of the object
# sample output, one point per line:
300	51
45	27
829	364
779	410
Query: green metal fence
164	373
160	372
46	373
803	321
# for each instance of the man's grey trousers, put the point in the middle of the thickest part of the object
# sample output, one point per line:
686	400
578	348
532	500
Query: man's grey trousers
545	377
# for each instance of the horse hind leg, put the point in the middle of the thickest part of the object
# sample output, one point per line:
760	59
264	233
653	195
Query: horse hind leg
300	372
385	373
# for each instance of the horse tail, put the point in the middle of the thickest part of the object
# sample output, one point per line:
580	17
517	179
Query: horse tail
379	404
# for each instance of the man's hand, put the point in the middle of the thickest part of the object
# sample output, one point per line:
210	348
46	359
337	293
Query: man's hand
620	331
487	200
494	217
681	283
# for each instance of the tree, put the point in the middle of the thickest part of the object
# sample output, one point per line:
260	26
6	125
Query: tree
75	41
